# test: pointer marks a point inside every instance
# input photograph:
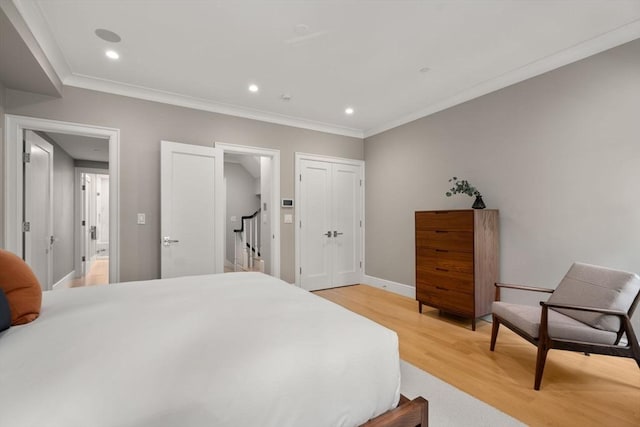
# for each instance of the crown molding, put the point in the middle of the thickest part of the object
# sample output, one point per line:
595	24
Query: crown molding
164	97
608	40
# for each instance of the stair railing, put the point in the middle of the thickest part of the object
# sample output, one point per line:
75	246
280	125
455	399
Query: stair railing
249	235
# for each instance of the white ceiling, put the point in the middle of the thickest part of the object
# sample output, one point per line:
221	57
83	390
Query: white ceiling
364	54
249	162
82	147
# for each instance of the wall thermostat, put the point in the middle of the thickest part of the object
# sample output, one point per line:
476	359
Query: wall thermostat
287	203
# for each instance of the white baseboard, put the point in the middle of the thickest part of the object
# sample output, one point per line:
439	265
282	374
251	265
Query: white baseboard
388	285
62	282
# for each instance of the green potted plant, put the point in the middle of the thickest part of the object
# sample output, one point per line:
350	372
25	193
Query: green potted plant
462	186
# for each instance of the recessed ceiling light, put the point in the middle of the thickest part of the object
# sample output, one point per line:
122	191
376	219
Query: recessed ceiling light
349	111
108	36
112	54
253	88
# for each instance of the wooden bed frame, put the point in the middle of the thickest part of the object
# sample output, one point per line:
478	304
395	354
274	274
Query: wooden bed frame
409	413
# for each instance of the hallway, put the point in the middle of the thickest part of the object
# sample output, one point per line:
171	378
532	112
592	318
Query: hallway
98	275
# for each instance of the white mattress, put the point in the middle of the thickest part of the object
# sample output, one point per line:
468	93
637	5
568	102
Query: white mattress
239	349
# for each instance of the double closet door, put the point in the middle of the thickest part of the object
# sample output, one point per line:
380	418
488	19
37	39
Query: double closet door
329	223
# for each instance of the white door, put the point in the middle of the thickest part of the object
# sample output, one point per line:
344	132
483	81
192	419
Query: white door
38	209
347	216
315	225
192	203
330	224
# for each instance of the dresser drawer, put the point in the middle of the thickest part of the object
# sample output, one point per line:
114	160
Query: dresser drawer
444	220
447	240
447	300
444	260
431	278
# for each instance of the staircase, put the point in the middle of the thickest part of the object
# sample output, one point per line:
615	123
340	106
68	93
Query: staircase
247	244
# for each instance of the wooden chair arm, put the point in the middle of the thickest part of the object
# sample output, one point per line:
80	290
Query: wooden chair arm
519	288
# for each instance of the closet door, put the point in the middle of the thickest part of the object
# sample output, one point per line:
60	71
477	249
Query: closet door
329	224
346	219
315	225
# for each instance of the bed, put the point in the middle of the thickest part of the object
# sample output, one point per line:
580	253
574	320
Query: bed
236	349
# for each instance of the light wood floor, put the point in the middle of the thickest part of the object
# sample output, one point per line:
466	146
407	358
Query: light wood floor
98	275
576	390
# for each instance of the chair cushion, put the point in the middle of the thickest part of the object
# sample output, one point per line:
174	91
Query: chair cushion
21	287
527	318
594	286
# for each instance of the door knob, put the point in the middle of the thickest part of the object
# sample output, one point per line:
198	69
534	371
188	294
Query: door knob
328	234
166	240
336	234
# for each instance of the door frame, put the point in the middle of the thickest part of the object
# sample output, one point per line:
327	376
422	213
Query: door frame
77	217
13	181
299	157
275	194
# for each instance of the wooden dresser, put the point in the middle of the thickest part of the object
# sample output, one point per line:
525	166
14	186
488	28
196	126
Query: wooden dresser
457	261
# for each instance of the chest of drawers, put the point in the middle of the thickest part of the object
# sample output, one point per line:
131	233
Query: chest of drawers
457	260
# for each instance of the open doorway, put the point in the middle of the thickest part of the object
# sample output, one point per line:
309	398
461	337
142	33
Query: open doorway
66	208
15	201
252	211
92	227
248	229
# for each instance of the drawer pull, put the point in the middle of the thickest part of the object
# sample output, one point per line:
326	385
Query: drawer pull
442	212
441	288
441	231
441	269
441	250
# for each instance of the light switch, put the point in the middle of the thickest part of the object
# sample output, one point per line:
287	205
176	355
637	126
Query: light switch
141	219
288	219
234	218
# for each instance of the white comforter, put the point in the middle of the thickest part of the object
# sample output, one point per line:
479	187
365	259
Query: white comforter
239	349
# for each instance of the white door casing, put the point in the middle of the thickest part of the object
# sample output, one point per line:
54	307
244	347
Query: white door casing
85	258
13	180
329	221
192	208
274	207
38	208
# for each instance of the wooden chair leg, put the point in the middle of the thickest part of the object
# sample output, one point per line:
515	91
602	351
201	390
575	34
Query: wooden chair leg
632	340
540	360
494	332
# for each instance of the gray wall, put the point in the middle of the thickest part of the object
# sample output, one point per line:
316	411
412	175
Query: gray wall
241	201
142	125
558	155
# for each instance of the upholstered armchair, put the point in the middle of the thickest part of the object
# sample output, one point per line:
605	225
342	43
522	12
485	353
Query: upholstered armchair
588	312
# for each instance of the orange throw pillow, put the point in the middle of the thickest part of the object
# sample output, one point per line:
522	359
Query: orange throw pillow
21	287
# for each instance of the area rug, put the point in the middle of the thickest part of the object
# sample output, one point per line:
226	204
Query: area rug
449	406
